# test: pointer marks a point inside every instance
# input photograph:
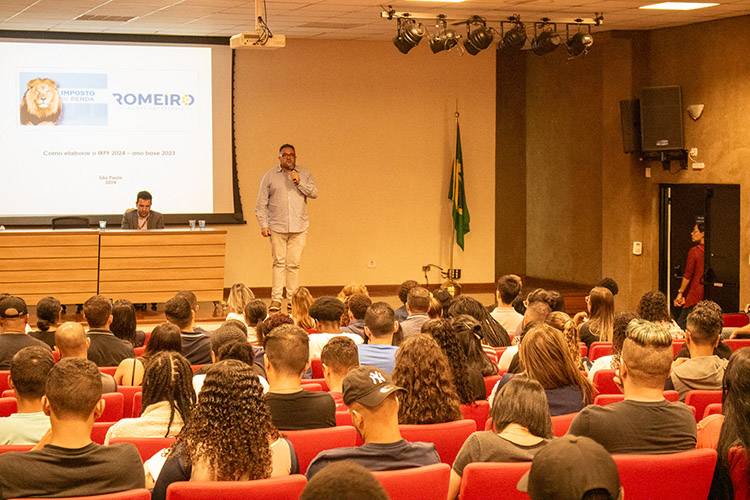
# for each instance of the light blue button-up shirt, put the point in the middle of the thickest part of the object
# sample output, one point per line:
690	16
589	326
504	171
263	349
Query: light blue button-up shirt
282	204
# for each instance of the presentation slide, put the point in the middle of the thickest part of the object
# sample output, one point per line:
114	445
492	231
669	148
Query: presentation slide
84	127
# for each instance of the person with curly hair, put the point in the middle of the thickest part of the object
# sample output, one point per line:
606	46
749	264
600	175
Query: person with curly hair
356	306
493	333
567	327
422	369
442	331
478	364
544	357
230	436
301	301
653	307
521	426
168	399
164	337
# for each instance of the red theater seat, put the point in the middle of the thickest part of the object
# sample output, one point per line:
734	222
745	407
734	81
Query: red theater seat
114	405
735	344
701	399
447	437
15	447
128	393
317	367
147	447
139	494
277	488
99	431
561	423
309	443
604	382
600	349
493	481
479	412
425	483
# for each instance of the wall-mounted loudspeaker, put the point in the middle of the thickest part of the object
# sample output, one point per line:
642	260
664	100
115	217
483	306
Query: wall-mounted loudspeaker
661	119
630	123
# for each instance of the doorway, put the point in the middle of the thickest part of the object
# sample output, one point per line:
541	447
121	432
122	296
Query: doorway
718	206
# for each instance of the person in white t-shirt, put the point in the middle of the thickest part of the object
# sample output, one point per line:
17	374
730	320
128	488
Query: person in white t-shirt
508	288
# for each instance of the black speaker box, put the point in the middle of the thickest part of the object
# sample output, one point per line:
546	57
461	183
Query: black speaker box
630	123
661	119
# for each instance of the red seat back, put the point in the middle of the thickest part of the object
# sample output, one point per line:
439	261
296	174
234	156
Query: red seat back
479	412
599	349
584	349
4	374
310	386
321	381
8	393
489	382
735	320
561	423
99	431
147	447
606	399
15	447
8	406
493	481
128	392
139	494
701	399
604	382
447	437
686	475
343	418
317	367
407	484
672	396
677	345
137	403
139	350
276	488
738	472
309	443
735	344
114	405
713	409
109	370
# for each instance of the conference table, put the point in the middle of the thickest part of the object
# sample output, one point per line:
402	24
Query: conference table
141	266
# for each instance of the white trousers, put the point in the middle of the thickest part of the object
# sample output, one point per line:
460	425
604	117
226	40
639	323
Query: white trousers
286	250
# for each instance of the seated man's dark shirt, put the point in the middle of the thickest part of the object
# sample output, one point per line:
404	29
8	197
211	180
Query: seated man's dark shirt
196	347
638	427
47	337
11	343
63	472
379	456
107	350
302	410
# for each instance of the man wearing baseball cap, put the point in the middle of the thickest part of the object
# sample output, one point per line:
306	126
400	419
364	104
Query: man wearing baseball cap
572	468
373	405
13	319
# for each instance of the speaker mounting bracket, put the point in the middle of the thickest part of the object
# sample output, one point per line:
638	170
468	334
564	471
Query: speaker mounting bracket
667	157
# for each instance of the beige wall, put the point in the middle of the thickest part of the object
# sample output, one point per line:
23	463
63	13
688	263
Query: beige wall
586	200
377	130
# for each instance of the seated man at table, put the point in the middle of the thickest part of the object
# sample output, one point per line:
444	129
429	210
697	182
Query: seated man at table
104	349
645	422
142	217
66	462
29	369
373	405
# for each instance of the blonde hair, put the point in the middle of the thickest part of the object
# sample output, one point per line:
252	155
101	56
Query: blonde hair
351	289
239	296
602	320
301	301
563	323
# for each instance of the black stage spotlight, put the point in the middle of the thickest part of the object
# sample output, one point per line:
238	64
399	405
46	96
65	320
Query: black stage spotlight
445	38
515	38
579	43
409	34
547	39
478	38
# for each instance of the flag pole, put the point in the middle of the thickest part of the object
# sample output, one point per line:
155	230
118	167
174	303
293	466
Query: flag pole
453	229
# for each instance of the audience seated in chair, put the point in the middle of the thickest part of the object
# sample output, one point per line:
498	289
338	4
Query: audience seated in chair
429	392
478	364
327	311
105	349
508	288
292	408
339	357
29	369
521	427
47	320
572	468
164	337
255	312
537	309
417	305
492	333
601	307
612	361
168	398
704	369
229	436
379	326
66	461
356	306
644	422
373	405
196	347
442	331
71	342
14	317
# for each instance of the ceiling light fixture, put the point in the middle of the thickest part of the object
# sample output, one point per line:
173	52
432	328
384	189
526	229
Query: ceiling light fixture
445	38
478	35
409	35
678	6
514	39
546	38
579	43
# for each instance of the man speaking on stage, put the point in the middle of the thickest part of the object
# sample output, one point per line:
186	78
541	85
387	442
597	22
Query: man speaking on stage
281	211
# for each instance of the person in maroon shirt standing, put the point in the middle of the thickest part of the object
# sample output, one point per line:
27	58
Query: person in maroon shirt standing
691	288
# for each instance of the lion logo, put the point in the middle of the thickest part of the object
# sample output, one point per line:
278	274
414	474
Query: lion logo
41	103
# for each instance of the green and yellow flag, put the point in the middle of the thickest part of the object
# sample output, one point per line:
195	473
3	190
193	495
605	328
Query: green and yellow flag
460	208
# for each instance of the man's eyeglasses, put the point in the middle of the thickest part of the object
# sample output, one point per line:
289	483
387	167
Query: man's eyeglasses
287	155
